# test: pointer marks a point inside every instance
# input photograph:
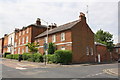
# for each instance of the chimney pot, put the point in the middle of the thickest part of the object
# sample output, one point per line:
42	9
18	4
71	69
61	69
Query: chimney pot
38	22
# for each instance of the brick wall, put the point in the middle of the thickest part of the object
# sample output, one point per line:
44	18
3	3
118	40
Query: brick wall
5	44
104	54
59	44
82	38
1	45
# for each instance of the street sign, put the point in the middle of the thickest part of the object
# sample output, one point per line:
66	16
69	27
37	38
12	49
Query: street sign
45	46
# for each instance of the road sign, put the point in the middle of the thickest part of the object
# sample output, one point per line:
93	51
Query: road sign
45	46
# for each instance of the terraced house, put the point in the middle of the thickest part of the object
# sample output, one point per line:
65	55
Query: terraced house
76	36
27	35
1	45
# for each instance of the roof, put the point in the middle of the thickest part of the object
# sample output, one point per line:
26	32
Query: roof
97	43
59	28
39	26
34	25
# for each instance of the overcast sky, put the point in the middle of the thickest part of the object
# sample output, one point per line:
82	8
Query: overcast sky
19	13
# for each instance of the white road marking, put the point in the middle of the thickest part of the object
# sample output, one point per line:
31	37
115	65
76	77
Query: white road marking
20	68
21	65
92	75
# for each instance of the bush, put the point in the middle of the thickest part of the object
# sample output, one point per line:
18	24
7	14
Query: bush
38	57
25	56
51	48
15	56
30	57
63	56
10	56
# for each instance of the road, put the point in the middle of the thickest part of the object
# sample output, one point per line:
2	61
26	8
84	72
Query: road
82	71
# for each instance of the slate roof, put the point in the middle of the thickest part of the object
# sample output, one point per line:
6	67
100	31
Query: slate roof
34	25
59	28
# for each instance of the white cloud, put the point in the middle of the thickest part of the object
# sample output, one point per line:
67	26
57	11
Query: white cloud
19	13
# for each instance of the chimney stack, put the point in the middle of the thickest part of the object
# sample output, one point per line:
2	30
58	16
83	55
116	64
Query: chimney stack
38	22
82	17
52	26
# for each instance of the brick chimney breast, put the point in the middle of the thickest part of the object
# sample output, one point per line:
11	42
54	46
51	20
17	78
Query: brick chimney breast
38	22
82	17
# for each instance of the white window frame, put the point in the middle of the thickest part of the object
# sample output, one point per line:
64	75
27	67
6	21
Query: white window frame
19	33
117	50
26	49
91	50
23	51
62	36
87	50
26	39
53	38
62	48
19	41
18	50
27	30
23	40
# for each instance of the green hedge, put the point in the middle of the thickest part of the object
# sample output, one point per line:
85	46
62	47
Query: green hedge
50	58
25	56
15	56
63	56
10	56
38	57
60	56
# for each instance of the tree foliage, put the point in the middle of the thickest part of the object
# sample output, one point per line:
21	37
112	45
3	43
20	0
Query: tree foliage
32	47
51	48
104	38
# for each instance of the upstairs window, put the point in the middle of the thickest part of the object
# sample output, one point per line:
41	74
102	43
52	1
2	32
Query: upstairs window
23	40
27	30
19	41
54	38
27	39
62	36
19	33
18	50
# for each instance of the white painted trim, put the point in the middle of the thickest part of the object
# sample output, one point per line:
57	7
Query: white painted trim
63	43
58	44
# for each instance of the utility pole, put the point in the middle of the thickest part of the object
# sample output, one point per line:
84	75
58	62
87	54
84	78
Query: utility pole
46	43
87	12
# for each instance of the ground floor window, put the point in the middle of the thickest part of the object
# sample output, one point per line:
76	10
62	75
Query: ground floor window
62	48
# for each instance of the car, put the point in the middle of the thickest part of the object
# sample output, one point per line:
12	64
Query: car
118	60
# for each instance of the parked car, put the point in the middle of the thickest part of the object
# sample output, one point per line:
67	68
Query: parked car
118	60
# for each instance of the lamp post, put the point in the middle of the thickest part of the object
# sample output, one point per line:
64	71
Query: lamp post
46	44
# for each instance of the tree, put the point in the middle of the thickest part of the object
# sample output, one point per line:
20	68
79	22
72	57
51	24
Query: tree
32	47
105	38
51	48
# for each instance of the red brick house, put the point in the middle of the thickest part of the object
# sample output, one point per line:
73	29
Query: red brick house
5	43
27	35
76	36
1	45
